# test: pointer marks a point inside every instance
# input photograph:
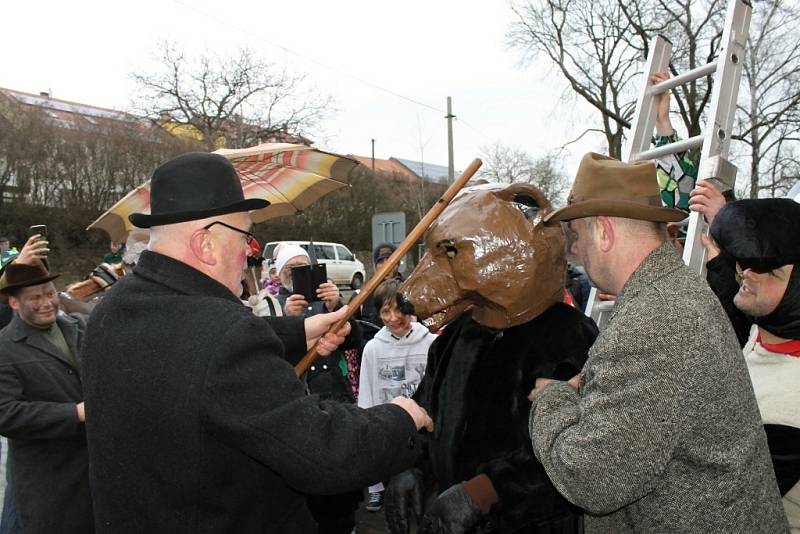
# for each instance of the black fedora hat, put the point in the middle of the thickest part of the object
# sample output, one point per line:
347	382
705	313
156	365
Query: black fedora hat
18	275
194	186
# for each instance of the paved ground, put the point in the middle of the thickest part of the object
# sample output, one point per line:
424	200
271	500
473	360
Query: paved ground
370	522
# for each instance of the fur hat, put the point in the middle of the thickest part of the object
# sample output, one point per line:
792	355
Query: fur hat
760	234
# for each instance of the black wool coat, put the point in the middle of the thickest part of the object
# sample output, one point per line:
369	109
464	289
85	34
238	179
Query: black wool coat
48	459
196	421
476	388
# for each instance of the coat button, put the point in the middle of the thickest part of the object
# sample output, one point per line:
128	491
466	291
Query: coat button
313	368
324	366
411	442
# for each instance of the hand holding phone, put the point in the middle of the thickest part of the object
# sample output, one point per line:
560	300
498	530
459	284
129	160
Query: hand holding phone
40	229
34	251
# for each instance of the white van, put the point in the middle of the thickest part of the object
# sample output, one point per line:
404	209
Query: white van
342	266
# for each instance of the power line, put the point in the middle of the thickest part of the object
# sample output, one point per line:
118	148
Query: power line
307	58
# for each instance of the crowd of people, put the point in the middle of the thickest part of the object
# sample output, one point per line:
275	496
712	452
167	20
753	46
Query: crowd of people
174	406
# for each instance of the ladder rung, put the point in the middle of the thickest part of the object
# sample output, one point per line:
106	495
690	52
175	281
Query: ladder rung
672	148
605	305
686	77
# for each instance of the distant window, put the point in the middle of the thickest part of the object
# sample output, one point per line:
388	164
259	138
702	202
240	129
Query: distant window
324	252
344	254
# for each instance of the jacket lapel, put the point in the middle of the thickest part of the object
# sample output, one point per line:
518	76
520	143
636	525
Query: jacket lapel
22	332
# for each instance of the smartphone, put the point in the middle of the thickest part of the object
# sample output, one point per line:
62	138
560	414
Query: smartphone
307	278
40	229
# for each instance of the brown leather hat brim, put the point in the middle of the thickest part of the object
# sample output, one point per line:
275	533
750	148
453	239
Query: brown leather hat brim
615	208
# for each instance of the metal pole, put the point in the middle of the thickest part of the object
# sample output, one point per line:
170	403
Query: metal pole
373	156
450	166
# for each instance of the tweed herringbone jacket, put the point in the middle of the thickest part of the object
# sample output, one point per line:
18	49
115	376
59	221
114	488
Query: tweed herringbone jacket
665	434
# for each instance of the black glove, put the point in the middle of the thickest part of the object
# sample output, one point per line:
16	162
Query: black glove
403	500
451	513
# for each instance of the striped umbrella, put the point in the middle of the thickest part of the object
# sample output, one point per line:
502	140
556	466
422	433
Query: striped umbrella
290	177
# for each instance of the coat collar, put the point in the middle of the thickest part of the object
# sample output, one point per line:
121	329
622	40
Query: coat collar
179	276
20	331
660	263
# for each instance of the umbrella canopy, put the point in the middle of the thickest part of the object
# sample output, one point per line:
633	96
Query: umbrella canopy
290	177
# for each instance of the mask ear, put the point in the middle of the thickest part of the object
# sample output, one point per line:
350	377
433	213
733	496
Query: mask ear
529	199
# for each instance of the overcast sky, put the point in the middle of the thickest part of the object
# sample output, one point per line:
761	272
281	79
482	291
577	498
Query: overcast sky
425	50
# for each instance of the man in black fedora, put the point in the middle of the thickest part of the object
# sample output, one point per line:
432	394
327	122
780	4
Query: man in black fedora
660	432
41	406
195	419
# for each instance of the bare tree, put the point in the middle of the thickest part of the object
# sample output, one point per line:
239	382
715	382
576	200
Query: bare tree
599	48
505	164
769	108
589	42
235	100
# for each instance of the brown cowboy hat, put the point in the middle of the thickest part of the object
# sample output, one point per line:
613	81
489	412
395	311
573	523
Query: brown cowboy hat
607	186
19	275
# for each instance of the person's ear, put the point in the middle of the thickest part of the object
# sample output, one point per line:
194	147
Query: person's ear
13	302
604	231
203	247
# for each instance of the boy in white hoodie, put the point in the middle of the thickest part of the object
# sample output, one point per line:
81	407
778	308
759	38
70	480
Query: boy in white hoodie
393	362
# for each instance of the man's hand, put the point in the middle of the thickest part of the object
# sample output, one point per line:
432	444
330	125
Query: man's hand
712	249
538	387
707	199
417	413
34	251
81	412
319	324
541	383
329	294
575	382
295	306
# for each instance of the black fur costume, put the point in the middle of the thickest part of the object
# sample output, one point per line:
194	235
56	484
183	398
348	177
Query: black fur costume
475	387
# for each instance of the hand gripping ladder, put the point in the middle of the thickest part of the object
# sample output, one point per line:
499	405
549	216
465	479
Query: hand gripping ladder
715	139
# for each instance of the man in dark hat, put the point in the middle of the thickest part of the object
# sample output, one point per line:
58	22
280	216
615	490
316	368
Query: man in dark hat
41	406
661	431
760	238
195	418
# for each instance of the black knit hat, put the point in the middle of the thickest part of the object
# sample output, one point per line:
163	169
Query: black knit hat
194	186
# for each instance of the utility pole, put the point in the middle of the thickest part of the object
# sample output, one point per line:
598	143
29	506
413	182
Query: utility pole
373	156
450	166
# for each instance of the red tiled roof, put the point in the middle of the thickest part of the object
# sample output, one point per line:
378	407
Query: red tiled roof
387	166
72	114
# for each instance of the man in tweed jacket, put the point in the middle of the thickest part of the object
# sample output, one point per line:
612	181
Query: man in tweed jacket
661	431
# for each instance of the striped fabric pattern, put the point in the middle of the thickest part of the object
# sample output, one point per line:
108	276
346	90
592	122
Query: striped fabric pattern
291	177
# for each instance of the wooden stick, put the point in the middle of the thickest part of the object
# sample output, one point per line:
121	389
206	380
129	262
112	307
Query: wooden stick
393	260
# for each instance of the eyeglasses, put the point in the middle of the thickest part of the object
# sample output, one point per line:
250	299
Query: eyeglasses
248	237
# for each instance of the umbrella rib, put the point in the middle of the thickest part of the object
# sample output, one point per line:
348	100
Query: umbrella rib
272	189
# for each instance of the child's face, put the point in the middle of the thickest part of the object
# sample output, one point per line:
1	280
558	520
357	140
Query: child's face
397	322
273	276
